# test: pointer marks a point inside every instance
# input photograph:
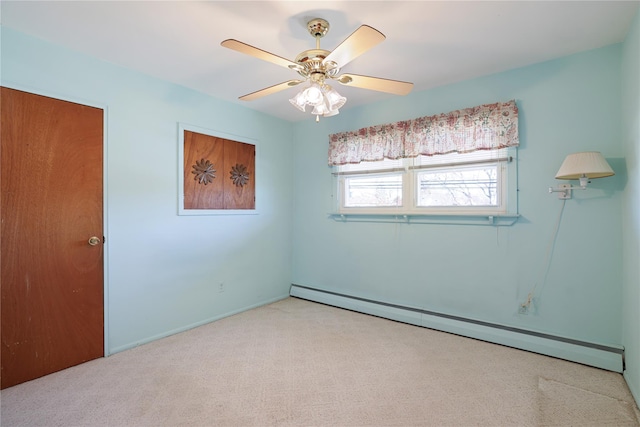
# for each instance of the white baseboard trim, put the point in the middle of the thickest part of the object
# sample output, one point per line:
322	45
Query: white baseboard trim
598	355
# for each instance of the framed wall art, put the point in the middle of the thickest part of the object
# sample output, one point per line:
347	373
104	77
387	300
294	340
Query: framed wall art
217	172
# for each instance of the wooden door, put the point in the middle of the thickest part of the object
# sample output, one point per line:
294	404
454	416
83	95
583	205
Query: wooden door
52	301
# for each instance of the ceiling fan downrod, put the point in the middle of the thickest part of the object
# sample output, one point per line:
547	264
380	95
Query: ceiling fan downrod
310	63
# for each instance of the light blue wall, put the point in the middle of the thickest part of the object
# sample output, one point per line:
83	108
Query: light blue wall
631	206
483	272
163	269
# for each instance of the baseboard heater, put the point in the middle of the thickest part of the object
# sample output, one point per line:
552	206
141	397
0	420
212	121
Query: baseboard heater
592	354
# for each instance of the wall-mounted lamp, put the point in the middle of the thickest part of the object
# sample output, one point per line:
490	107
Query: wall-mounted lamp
583	166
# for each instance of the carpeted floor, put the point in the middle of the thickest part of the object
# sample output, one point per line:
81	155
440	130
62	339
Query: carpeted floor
298	363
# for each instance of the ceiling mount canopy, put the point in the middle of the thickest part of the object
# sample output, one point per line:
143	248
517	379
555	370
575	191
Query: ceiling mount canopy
317	66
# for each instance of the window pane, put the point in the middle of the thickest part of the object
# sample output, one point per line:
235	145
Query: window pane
475	186
383	190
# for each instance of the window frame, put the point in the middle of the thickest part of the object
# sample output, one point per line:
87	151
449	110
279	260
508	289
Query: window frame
507	188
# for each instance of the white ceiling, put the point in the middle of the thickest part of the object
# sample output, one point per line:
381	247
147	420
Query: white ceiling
429	43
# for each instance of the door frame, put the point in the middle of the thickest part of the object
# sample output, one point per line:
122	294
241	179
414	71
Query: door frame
105	168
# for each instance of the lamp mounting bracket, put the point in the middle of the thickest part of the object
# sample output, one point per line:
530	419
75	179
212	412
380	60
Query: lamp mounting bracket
566	193
563	190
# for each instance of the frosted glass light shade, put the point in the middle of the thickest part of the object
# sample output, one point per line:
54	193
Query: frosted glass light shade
589	164
298	101
335	99
320	110
313	95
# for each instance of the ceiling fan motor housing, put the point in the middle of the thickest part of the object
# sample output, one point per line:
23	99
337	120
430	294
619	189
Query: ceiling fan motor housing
312	65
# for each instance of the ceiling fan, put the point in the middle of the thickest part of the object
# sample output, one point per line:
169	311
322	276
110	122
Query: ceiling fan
319	65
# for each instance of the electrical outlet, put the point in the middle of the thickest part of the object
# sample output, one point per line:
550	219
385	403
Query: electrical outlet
221	287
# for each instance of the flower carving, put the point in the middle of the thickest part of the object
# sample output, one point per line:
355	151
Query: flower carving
203	171
239	175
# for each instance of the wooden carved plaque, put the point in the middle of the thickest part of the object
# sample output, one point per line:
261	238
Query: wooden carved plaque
218	173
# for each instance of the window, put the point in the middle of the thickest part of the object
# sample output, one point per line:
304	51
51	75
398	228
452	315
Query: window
454	165
477	183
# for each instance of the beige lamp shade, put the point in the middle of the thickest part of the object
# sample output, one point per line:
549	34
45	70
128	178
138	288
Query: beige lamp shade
589	164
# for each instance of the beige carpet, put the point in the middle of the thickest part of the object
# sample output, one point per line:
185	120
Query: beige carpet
298	363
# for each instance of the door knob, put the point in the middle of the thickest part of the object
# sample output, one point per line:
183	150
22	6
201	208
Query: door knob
94	240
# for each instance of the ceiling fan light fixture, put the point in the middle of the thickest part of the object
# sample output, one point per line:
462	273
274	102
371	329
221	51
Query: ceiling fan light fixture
325	100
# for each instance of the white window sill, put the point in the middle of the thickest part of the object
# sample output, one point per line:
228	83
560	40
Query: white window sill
495	220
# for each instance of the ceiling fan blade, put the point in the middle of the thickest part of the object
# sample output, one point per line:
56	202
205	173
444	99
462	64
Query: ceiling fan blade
360	41
258	53
269	90
375	83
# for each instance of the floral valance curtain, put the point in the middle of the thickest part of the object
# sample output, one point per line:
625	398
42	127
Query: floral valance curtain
486	127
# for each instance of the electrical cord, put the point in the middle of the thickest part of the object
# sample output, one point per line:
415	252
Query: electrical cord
524	307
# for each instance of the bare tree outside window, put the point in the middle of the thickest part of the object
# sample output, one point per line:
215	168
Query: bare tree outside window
459	187
374	191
